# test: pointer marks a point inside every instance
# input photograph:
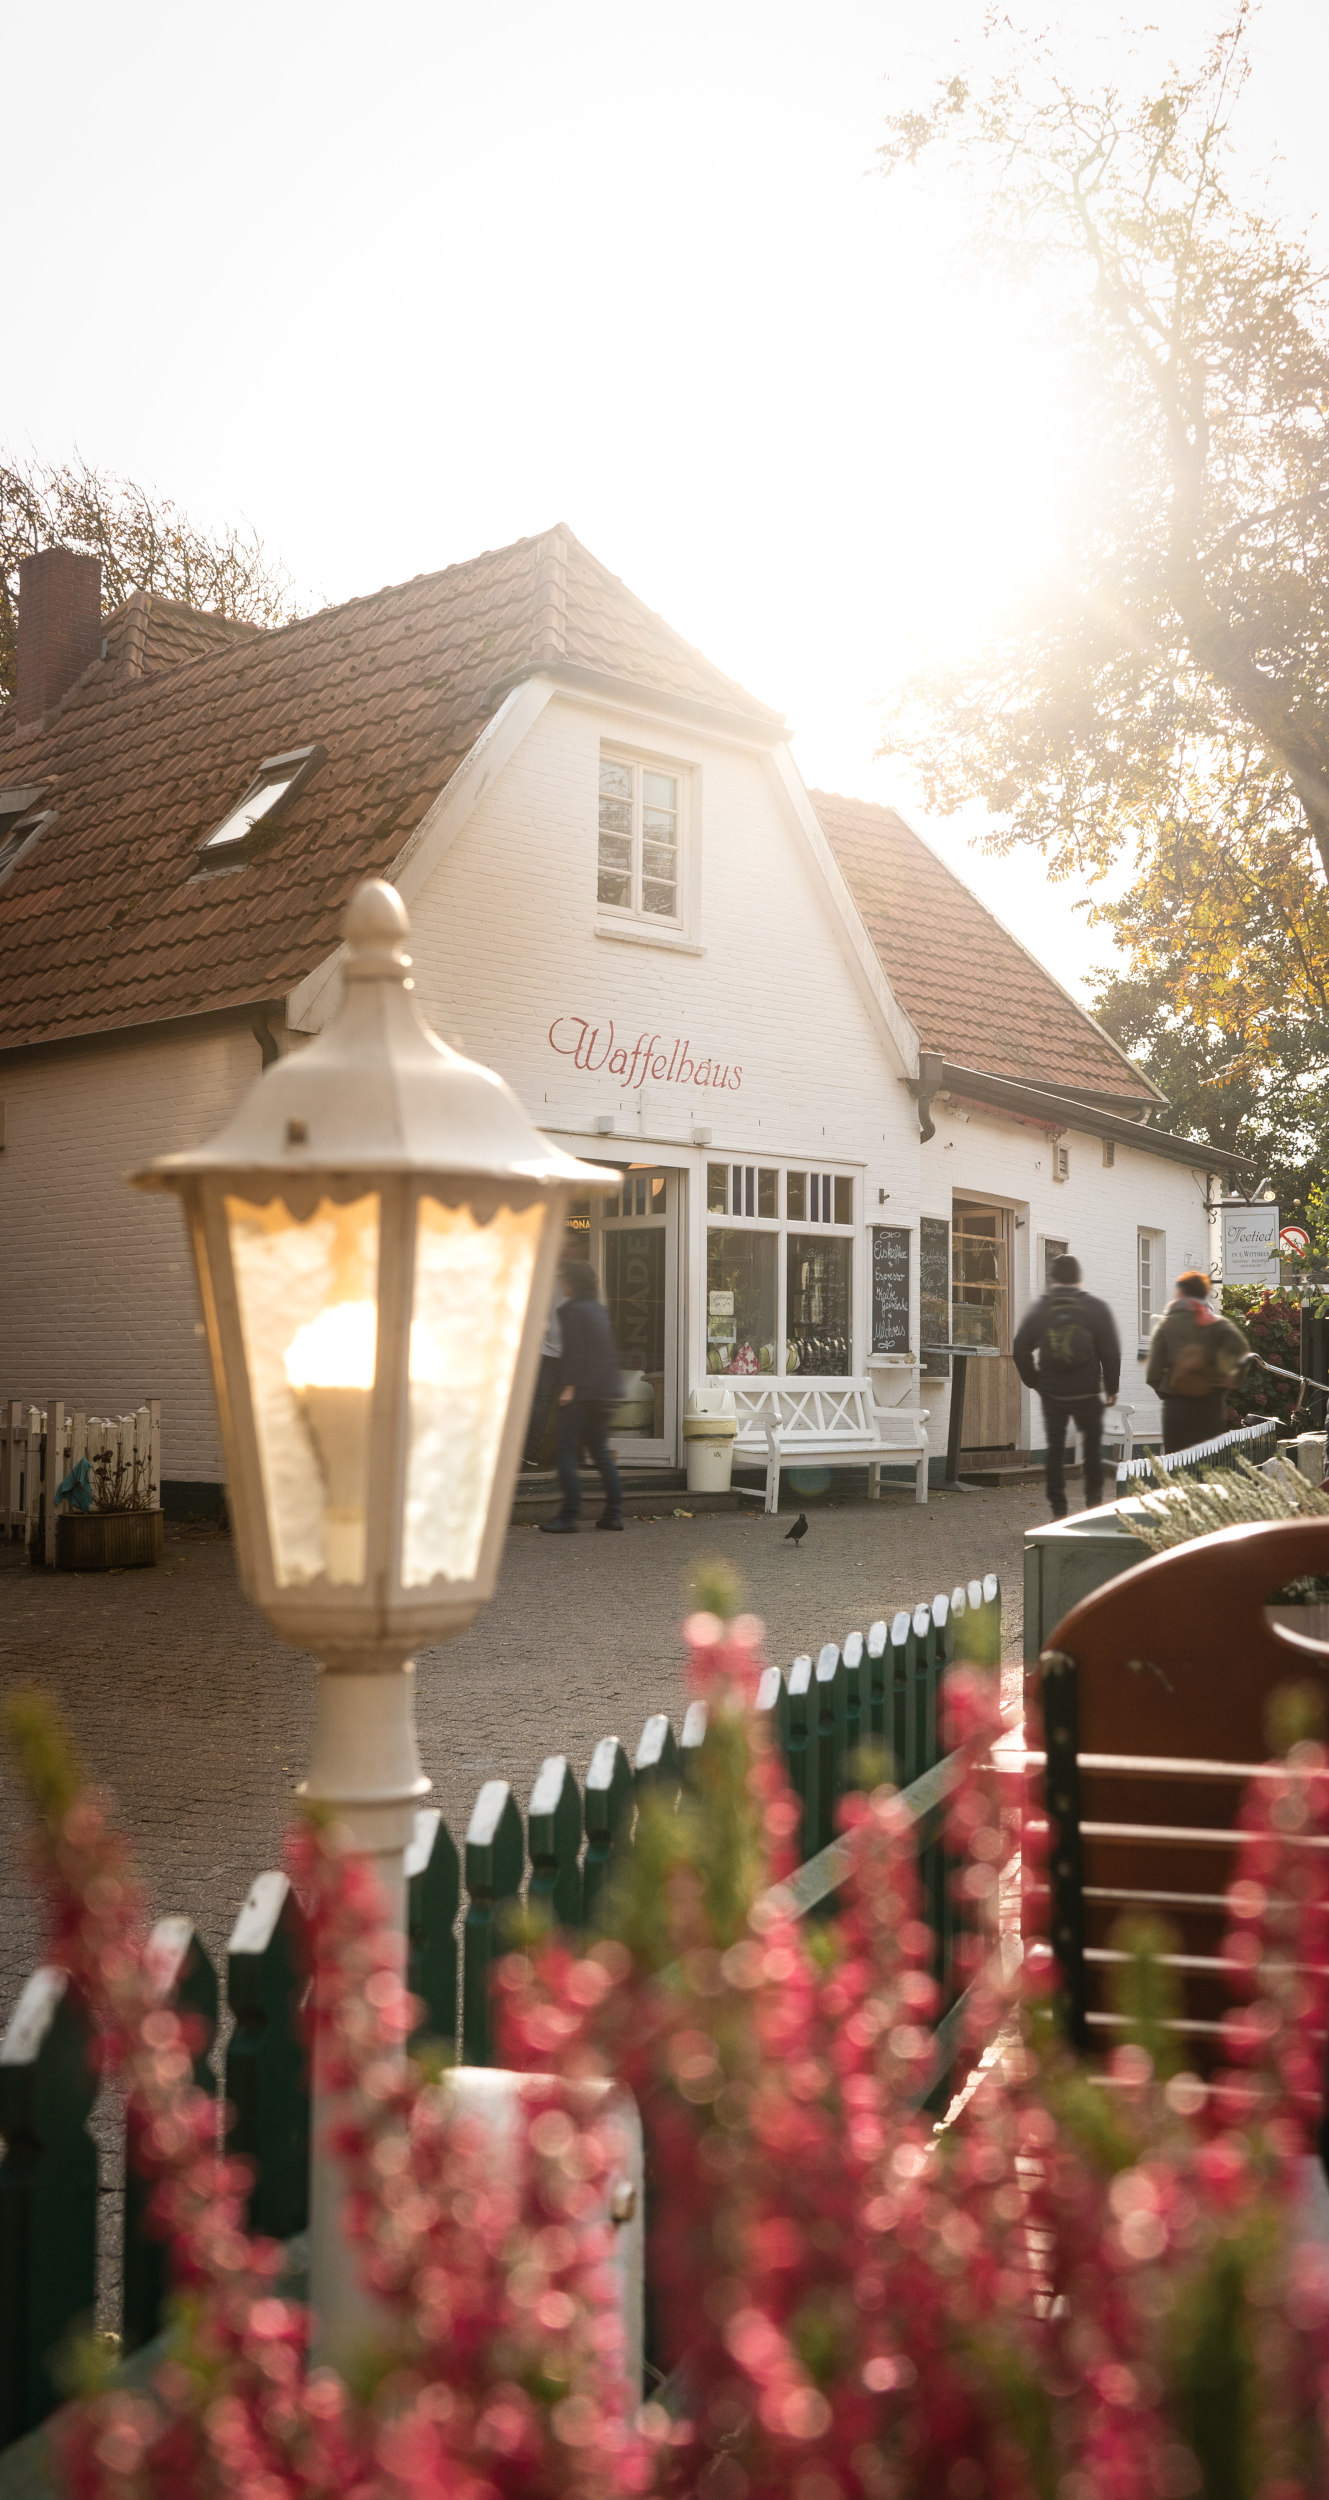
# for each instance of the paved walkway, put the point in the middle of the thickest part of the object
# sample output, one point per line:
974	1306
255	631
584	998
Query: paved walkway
181	1700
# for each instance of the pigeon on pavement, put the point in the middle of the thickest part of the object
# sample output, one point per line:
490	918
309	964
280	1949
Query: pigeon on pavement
796	1534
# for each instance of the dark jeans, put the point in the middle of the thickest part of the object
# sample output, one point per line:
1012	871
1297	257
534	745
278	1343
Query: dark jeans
1087	1416
1188	1420
585	1421
546	1389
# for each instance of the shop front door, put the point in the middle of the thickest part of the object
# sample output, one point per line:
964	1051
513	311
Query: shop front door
637	1239
981	1316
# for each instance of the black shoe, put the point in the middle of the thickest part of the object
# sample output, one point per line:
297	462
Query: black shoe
609	1522
558	1527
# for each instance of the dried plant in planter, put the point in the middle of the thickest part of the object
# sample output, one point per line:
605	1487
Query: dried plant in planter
120	1483
1082	2288
1180	1507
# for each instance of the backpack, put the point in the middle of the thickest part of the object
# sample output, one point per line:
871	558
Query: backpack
1198	1366
1067	1342
1190	1374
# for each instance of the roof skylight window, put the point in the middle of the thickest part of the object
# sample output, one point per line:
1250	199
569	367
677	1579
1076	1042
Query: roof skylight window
21	820
277	780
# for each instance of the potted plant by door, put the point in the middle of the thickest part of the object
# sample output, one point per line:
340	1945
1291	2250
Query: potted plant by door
107	1521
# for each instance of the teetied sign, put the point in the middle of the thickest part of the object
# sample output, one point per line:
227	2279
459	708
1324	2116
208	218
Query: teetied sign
1250	1246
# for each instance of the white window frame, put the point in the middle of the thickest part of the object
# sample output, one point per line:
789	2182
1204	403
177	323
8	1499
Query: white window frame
1149	1239
633	915
1050	1247
783	1225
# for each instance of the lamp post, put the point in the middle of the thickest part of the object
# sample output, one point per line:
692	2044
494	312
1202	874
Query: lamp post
375	1233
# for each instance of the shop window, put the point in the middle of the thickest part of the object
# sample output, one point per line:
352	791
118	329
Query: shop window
643	1193
778	1299
640	827
741	1316
743	1189
819	1198
818	1323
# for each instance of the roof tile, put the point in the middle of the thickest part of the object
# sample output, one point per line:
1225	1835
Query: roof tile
146	753
969	988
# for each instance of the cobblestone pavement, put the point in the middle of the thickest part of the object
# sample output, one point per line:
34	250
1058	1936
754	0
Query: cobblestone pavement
185	1704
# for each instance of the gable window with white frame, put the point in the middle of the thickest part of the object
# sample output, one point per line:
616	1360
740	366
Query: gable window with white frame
1150	1273
639	864
779	1270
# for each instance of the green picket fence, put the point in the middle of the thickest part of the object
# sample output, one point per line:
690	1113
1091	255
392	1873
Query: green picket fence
875	1693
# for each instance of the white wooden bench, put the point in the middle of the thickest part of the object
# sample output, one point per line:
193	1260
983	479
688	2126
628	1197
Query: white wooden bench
824	1423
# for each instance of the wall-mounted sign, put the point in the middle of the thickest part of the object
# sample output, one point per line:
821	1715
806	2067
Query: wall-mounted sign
664	1060
934	1293
1250	1246
890	1289
1294	1241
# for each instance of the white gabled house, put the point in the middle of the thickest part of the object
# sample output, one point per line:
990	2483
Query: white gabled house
854	1118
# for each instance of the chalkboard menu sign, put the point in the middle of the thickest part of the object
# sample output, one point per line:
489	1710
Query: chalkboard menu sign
890	1289
934	1292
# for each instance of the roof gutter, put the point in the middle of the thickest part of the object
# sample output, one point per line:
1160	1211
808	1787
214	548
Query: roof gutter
1067	1111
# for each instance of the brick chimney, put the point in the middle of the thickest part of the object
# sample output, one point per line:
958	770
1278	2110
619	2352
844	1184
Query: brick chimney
59	626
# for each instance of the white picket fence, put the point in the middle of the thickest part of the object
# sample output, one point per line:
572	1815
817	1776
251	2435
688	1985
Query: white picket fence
39	1445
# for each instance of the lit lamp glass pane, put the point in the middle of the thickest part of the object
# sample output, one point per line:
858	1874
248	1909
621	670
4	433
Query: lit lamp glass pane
308	1295
472	1286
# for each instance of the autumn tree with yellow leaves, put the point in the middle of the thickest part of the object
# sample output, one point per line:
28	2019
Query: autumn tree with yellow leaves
1162	701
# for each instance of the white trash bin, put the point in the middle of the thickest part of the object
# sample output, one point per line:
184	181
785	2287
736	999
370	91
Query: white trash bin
709	1428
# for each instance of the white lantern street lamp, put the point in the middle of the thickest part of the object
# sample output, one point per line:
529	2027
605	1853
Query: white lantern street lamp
375	1234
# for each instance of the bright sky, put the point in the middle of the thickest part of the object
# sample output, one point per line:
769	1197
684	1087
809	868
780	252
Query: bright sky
398	284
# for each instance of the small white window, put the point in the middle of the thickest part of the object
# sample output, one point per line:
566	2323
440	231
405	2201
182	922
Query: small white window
640	838
1061	1163
1150	1271
1051	1250
277	778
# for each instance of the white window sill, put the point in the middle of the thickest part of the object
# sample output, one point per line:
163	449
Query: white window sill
635	933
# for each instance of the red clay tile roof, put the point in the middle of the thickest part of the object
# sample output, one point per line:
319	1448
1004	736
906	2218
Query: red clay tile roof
106	924
968	987
149	634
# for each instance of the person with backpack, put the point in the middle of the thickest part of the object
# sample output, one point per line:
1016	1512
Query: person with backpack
1194	1358
1067	1348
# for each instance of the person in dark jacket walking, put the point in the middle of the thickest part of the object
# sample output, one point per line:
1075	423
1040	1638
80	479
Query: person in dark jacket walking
1194	1356
1067	1348
591	1384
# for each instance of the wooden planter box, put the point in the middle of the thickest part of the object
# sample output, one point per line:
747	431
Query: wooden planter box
108	1540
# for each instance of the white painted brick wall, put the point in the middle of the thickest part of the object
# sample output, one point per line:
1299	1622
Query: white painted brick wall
1097	1212
99	1303
505	944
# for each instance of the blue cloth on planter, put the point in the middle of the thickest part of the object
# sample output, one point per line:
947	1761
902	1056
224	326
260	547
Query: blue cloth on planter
76	1487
